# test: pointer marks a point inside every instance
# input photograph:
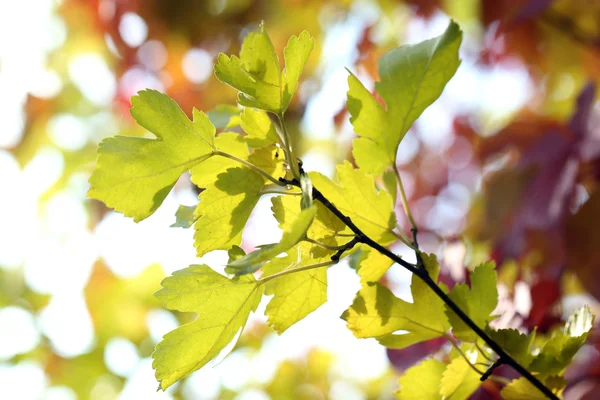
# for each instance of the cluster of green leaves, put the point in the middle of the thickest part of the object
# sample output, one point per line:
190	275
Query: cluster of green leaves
251	156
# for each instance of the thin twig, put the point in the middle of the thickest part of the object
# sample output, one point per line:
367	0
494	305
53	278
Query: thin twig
251	166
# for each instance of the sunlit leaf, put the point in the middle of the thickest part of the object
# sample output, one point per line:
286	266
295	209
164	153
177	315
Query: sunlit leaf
224	208
185	217
222	305
134	175
253	261
522	389
356	196
372	265
515	343
224	116
478	302
270	159
459	379
422	382
295	53
376	312
259	128
294	295
206	173
412	77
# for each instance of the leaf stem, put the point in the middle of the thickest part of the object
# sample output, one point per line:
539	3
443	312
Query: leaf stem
251	166
289	153
403	197
294	270
323	245
464	356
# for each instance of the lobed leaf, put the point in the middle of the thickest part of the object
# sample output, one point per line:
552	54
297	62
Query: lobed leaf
356	196
377	313
412	77
207	172
259	128
522	389
478	302
515	343
422	382
134	175
459	380
222	305
185	216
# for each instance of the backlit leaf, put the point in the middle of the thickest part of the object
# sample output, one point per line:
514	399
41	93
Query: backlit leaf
515	343
522	389
224	208
222	305
294	295
372	265
422	382
356	196
478	302
185	217
259	128
206	173
376	312
134	175
412	77
459	379
295	53
253	261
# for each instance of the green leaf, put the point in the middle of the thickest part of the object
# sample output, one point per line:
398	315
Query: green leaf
459	380
372	265
185	217
259	128
224	116
559	350
412	77
356	196
325	226
224	208
478	302
422	382
522	389
229	142
296	54
376	312
222	305
294	295
134	175
257	75
253	261
270	159
515	343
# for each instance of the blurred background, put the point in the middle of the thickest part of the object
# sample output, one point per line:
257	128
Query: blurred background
504	166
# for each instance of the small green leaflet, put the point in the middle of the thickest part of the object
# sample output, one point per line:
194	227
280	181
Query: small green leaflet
257	74
515	343
253	261
185	217
478	302
259	128
224	116
224	208
559	350
376	312
294	295
412	77
372	265
134	175
422	382
522	389
459	380
222	305
356	196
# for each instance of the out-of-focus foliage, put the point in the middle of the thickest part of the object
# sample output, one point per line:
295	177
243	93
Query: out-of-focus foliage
505	165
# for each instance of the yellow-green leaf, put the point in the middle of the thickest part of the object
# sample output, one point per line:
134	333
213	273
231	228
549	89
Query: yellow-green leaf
376	312
253	261
206	173
224	208
412	77
372	265
422	382
134	175
185	216
224	116
296	54
257	75
222	305
559	350
522	389
478	302
294	295
459	379
259	128
269	159
515	343
356	196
